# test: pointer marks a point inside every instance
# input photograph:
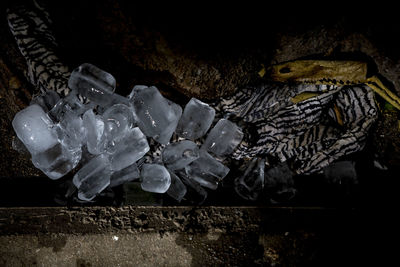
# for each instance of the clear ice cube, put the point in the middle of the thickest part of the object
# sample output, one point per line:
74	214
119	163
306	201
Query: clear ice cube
223	138
125	175
177	189
93	177
206	170
129	149
93	83
46	100
178	155
195	193
71	131
68	104
155	178
35	129
95	132
251	184
118	118
157	117
56	161
196	119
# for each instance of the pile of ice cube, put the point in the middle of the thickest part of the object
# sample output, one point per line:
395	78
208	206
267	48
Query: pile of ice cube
109	135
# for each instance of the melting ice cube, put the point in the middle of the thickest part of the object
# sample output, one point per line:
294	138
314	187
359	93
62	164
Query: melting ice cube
93	177
196	119
157	117
206	170
178	155
155	178
223	138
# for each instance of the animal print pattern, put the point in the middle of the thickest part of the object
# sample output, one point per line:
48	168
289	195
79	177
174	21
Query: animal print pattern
31	27
307	133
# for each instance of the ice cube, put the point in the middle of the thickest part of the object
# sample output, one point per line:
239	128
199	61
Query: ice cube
195	193
34	128
18	146
46	100
70	103
93	83
178	155
155	178
223	138
71	131
206	170
157	117
251	184
125	175
56	161
95	132
196	119
177	189
129	149
279	183
118	118
93	177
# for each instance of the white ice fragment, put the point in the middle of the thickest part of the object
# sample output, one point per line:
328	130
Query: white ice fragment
196	119
223	138
155	178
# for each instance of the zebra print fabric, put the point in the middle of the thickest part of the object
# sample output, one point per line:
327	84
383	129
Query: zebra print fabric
31	27
308	133
311	133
